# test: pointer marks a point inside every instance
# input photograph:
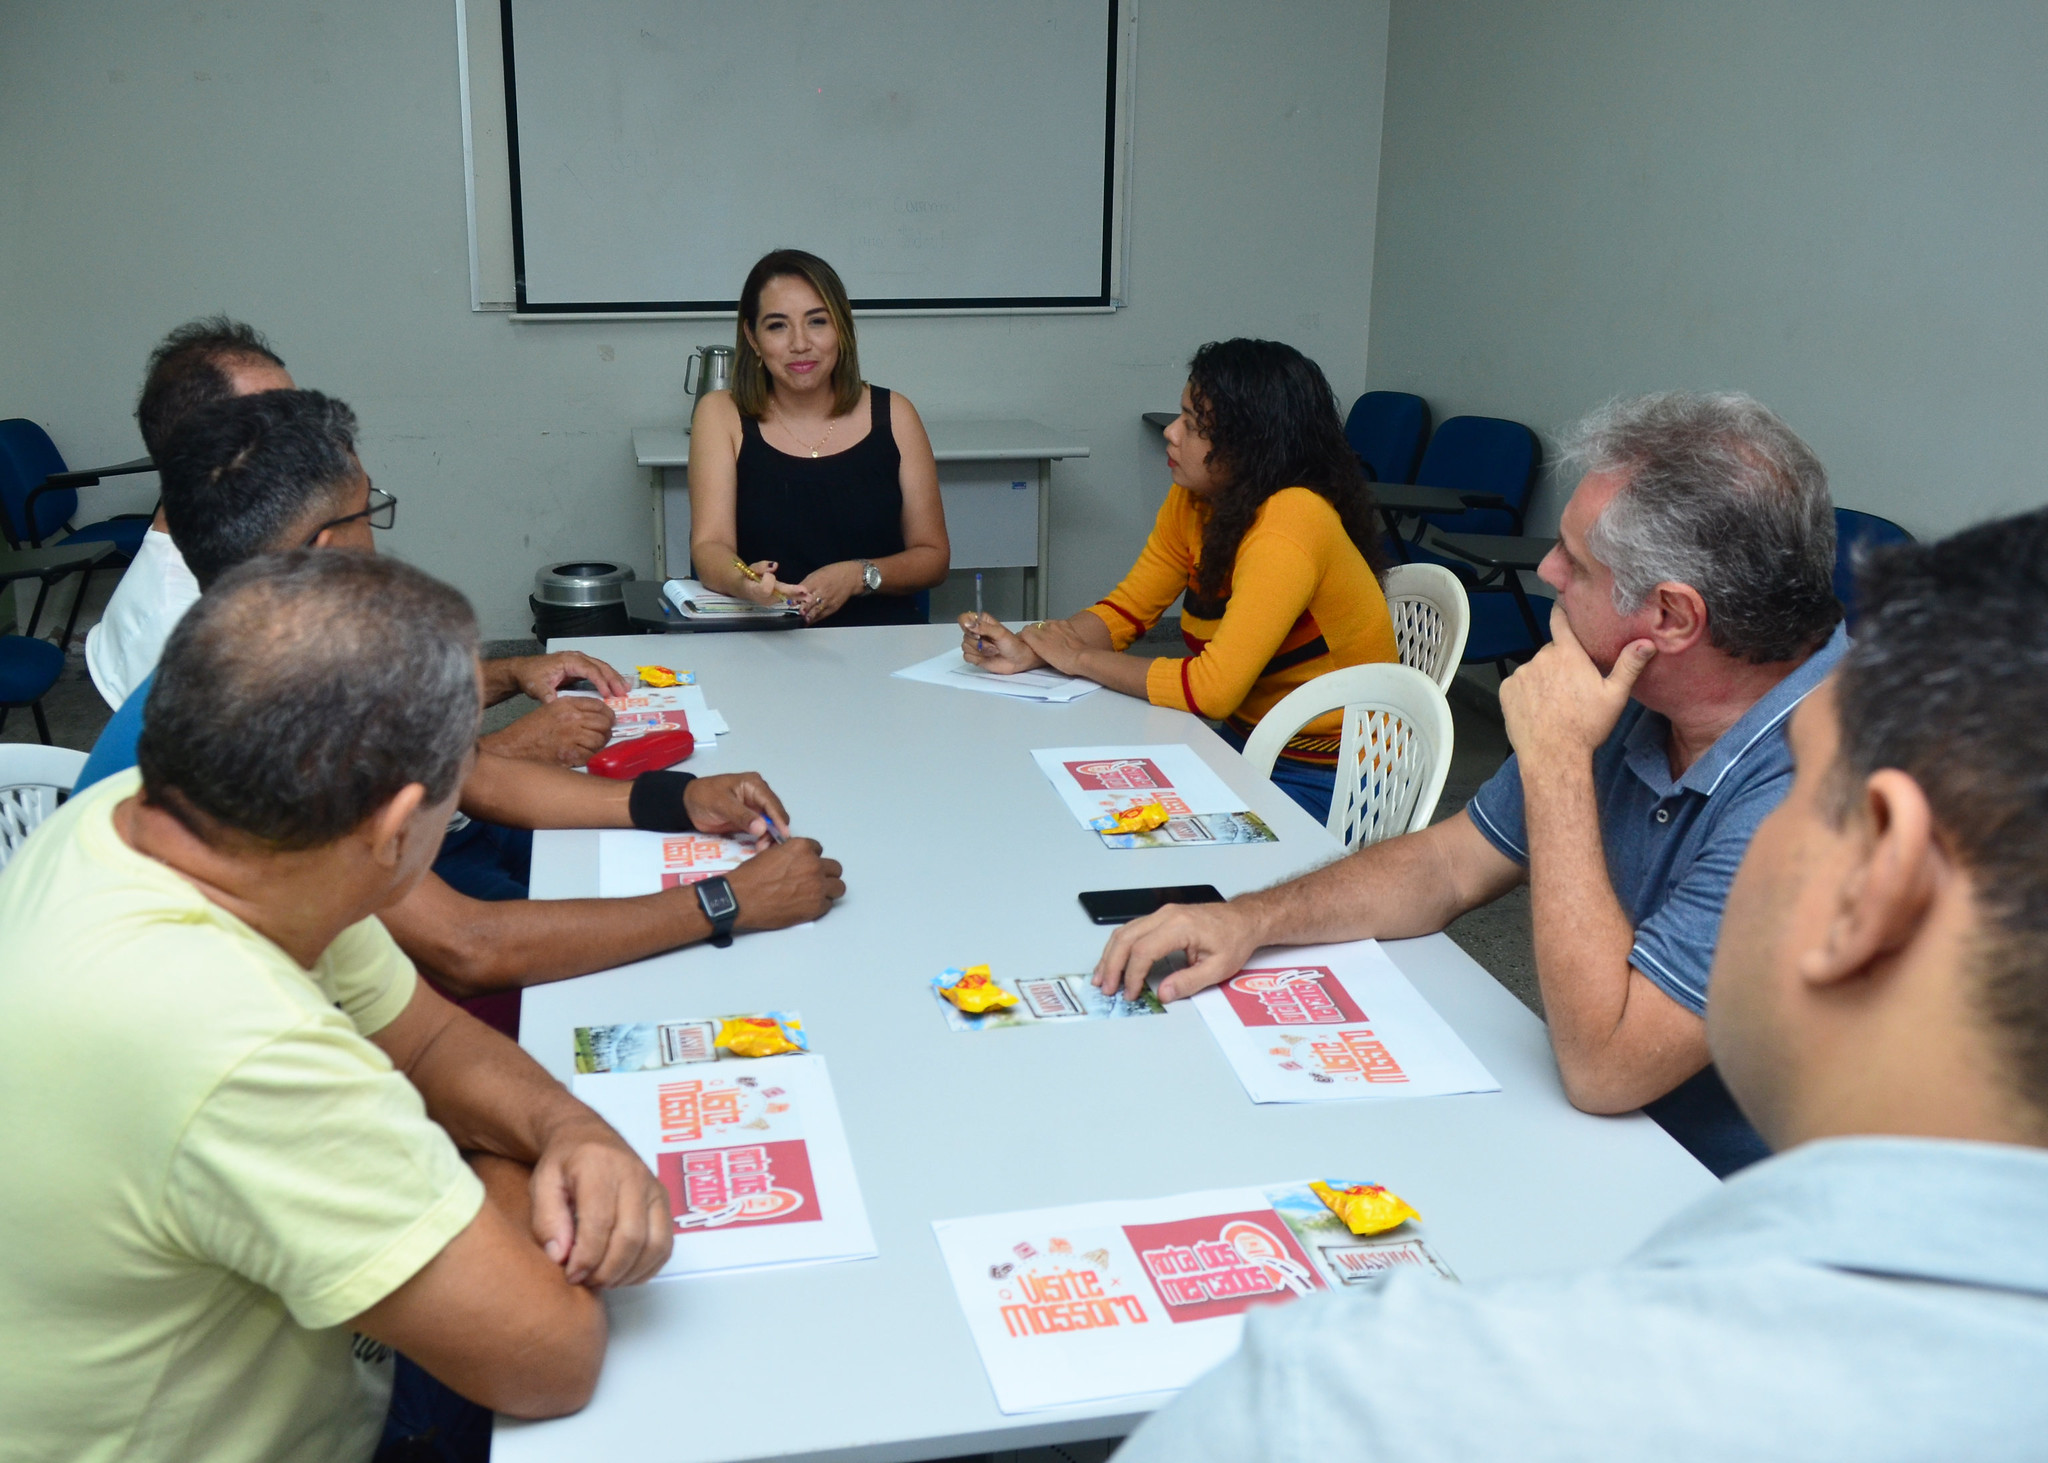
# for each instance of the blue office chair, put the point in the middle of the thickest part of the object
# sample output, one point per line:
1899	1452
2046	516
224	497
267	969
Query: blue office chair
1493	461
39	495
1856	533
1482	455
1500	634
1387	429
28	669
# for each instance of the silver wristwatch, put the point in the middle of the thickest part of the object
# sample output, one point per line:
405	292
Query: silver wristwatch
870	577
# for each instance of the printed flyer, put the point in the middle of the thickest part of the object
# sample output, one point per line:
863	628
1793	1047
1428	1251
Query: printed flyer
1197	830
1045	1000
1334	1023
631	861
647	1046
666	708
1099	783
752	1155
1128	1298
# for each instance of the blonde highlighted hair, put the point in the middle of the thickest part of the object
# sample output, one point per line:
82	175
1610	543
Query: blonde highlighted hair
750	383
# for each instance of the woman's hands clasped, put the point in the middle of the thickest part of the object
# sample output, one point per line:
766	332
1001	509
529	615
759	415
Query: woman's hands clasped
825	591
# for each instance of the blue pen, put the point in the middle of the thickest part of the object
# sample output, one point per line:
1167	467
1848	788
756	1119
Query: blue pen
979	643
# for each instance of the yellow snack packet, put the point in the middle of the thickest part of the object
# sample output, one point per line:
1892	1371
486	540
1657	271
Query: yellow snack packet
1141	818
1364	1208
657	676
757	1036
975	993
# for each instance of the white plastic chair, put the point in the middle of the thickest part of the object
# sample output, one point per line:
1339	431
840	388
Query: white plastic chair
31	777
1432	617
1394	753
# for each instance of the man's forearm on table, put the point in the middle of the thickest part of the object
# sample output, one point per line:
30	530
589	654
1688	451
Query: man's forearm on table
523	794
501	680
489	1095
1395	890
477	947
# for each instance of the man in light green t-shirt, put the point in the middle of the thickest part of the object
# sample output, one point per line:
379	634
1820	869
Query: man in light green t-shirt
237	1122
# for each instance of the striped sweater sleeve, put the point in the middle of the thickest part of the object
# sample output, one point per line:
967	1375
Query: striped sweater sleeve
1156	580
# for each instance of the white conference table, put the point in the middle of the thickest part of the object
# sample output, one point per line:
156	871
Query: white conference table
957	851
995	478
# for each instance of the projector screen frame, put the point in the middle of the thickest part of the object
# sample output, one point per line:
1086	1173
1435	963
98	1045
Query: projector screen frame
479	132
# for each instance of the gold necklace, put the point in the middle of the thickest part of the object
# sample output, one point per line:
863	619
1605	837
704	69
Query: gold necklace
830	427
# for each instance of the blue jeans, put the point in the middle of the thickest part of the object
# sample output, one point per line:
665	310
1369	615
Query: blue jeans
1310	786
486	861
429	1423
489	862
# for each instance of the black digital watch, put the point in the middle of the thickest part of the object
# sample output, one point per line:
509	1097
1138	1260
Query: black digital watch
721	906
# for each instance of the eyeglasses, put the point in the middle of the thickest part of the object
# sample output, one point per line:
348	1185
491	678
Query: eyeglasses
382	513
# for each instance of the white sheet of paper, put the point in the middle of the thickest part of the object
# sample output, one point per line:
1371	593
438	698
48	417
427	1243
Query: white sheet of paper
1134	1297
952	669
1334	1023
753	1156
632	862
1093	781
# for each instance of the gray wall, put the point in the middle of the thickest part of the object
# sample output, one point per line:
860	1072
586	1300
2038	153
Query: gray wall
1841	207
301	167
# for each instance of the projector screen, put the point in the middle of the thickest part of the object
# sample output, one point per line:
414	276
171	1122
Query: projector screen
939	153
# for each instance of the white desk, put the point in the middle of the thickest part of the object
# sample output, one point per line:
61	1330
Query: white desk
957	850
987	471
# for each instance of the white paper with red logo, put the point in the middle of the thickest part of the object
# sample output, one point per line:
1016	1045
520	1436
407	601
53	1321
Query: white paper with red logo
1137	1297
1094	781
630	861
1332	1023
752	1155
647	709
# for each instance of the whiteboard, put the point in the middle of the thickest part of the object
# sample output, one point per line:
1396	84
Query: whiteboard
940	153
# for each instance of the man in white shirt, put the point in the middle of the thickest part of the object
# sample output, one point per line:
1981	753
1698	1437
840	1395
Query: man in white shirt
202	361
212	359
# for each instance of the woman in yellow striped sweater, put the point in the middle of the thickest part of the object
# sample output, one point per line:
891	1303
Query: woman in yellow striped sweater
1269	531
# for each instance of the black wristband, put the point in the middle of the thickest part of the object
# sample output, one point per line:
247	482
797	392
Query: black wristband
657	802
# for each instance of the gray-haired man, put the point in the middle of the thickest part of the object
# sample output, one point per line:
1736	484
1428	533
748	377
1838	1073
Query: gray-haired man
1694	611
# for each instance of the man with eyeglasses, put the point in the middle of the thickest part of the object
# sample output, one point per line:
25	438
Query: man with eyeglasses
211	360
277	471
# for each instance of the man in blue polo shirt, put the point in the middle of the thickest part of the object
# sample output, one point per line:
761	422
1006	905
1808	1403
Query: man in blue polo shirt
1695	610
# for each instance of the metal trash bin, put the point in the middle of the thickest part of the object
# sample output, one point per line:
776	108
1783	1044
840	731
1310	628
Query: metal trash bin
580	597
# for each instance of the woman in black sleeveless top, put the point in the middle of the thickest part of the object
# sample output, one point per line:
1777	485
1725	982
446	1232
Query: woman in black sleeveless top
806	483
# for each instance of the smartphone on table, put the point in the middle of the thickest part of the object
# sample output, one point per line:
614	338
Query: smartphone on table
1121	906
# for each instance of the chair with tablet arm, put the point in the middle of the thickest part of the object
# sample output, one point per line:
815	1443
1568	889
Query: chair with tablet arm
39	495
1432	619
1856	534
32	779
1394	751
1386	429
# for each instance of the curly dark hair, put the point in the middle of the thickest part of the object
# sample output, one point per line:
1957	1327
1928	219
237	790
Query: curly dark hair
1272	423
